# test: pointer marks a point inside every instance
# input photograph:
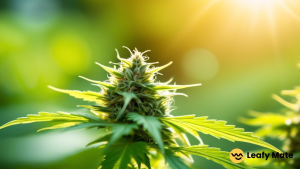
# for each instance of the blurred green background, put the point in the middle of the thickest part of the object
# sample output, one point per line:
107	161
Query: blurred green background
241	51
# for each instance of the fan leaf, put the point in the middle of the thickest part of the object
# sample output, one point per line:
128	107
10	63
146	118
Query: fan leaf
88	115
128	96
181	128
62	125
119	130
119	155
88	125
103	139
150	124
174	161
262	119
217	129
45	116
86	95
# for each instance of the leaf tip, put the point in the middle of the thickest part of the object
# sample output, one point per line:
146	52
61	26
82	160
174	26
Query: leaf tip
53	88
84	78
118	55
99	64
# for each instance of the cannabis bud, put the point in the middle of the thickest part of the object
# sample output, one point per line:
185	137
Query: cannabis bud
134	108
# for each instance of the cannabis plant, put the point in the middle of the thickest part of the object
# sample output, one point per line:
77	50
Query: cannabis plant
134	108
284	125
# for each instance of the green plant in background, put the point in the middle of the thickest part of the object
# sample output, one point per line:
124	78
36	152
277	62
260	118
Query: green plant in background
133	110
284	125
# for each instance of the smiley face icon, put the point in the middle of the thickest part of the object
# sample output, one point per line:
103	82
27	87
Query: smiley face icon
236	155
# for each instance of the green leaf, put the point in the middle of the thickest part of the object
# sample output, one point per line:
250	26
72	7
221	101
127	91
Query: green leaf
262	119
150	124
45	116
139	154
182	128
217	129
134	83
172	87
186	142
87	125
98	108
280	132
102	139
119	130
87	95
156	69
104	84
111	71
289	105
191	116
273	125
213	154
293	93
62	125
113	156
128	96
125	61
119	156
88	115
98	111
146	161
174	161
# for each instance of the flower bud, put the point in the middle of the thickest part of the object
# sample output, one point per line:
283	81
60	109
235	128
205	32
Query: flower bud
143	69
128	74
136	70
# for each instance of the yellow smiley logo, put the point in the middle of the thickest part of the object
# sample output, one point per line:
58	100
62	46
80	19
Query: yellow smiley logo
236	155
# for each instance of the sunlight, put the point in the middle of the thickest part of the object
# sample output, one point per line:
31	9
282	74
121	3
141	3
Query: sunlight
256	3
255	22
270	5
288	10
191	23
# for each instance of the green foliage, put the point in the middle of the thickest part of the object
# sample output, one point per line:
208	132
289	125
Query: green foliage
119	156
175	161
45	116
283	125
87	96
62	125
133	109
128	96
120	130
150	124
215	128
213	154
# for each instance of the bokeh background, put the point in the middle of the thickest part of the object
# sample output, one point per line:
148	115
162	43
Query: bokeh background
242	51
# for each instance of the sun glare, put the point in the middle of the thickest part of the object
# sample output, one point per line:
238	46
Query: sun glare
268	6
256	3
254	17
